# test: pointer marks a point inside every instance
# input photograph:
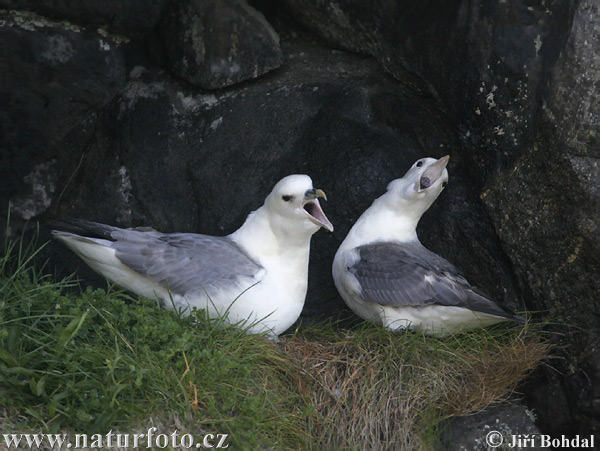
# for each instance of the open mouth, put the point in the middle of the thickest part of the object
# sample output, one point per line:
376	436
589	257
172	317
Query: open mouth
425	183
316	215
433	173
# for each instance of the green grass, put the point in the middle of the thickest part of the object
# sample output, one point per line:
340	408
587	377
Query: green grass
94	360
98	360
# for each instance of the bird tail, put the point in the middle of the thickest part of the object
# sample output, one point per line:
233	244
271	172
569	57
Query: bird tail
82	228
480	302
519	319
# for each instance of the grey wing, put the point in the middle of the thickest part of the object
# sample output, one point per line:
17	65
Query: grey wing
399	275
185	262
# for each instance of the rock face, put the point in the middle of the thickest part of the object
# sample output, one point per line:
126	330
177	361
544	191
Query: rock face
213	44
132	18
126	130
555	225
53	76
575	83
486	61
491	428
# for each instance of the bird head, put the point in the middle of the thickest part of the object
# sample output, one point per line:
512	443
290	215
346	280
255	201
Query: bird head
420	186
295	205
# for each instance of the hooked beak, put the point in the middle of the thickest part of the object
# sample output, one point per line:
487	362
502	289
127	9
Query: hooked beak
432	173
313	209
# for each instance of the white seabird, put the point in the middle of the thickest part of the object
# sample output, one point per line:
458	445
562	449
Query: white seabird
256	277
387	276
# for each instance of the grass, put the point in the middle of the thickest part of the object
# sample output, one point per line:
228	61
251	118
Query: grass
384	390
94	360
97	360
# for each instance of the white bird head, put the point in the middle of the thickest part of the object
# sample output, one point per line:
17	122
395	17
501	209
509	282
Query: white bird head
420	186
394	215
294	204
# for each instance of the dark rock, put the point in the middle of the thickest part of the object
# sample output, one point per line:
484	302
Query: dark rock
132	18
575	85
53	76
556	229
486	61
213	44
551	235
492	428
36	197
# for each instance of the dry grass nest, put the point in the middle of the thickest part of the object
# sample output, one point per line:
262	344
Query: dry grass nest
381	390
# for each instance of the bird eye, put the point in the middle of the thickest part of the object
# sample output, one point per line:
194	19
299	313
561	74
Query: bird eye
419	164
444	184
287	197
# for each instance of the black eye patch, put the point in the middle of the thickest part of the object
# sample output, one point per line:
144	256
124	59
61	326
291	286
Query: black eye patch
419	164
444	184
287	197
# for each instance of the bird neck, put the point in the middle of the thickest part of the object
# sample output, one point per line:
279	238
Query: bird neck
263	236
382	224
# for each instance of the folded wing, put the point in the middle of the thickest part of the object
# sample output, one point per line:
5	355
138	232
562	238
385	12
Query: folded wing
181	262
398	275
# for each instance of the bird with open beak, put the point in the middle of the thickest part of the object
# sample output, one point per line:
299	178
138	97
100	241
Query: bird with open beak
385	275
255	278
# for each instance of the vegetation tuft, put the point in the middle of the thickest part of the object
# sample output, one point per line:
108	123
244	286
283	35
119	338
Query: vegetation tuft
385	390
96	360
